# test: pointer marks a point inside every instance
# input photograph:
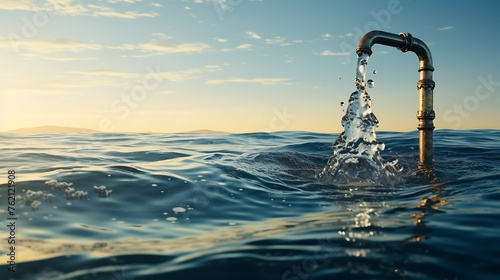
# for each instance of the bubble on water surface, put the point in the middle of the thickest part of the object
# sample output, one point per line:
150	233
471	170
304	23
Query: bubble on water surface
179	209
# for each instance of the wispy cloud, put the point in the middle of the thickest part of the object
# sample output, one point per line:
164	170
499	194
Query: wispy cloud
220	40
161	35
71	7
16	4
83	79
161	48
212	68
330	53
326	36
107	73
262	81
77	80
445	28
189	74
47	46
62	58
127	14
346	35
276	40
178	76
253	35
181	48
244	46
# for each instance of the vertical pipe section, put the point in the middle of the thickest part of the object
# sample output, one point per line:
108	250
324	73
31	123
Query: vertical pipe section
425	114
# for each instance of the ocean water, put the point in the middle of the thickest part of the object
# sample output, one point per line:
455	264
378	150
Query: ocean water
246	206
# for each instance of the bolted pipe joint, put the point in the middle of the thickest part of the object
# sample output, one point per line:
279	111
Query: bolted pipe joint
425	114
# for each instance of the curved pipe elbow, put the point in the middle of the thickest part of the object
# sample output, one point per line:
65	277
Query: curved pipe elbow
404	42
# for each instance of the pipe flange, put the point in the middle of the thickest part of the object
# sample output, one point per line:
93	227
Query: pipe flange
426	84
407	42
426	115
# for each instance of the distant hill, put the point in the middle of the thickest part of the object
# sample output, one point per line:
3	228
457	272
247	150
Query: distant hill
206	131
52	129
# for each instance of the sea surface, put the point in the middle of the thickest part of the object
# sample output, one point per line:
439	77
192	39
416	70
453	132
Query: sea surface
245	206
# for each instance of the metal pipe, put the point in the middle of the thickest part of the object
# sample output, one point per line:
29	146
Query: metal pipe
425	114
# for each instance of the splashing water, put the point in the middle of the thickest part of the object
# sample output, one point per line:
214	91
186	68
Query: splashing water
356	158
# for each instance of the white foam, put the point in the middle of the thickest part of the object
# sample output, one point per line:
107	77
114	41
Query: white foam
35	204
71	193
179	210
54	184
102	191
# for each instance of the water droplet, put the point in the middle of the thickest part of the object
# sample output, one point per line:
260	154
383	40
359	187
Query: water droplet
342	103
179	209
374	72
370	83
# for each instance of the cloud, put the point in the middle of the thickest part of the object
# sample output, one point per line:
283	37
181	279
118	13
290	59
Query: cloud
161	48
326	36
16	4
63	58
253	35
107	73
212	68
445	28
178	76
126	1
262	81
82	81
183	75
175	76
127	14
181	48
220	40
162	36
330	53
276	40
46	46
244	46
156	5
70	7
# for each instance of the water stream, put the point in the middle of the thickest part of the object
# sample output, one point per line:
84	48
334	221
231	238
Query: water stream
356	158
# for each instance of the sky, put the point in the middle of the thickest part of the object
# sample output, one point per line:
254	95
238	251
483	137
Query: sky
239	65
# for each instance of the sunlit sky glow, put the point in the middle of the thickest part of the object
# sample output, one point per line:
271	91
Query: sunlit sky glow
239	65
